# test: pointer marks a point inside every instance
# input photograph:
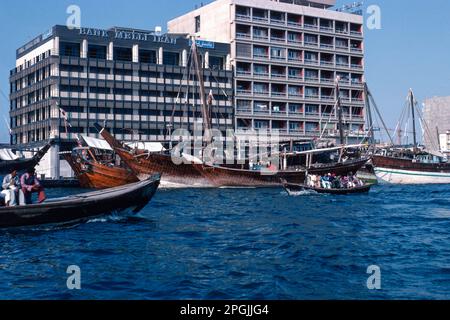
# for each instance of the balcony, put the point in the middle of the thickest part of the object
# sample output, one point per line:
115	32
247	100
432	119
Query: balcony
259	19
312	96
262	93
246	73
356	33
278	76
327	46
278	22
260	56
296	94
311	62
342	65
341	31
244	110
327	63
278	58
278	39
357	50
261	37
310	26
327	98
295	41
357	66
243	17
261	74
295	59
241	35
244	92
312	79
278	94
262	112
295	77
342	48
327	80
326	29
311	44
294	24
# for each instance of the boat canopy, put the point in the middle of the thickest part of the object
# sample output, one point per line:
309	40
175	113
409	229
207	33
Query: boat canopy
315	151
97	143
8	155
148	146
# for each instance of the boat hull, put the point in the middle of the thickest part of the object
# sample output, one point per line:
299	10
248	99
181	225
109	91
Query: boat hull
97	176
397	176
6	167
292	188
82	207
404	171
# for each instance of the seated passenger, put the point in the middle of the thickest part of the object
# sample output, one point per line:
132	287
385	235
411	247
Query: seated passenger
30	184
11	186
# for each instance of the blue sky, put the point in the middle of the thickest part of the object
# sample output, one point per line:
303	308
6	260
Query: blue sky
410	51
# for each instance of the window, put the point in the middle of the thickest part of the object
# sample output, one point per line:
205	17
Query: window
123	54
243	50
216	63
97	52
171	58
147	56
278	53
197	24
70	49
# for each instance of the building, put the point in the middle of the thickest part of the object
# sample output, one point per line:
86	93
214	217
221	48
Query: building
67	80
436	115
286	56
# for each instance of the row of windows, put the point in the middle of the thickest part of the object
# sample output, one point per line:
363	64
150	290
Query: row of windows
70	49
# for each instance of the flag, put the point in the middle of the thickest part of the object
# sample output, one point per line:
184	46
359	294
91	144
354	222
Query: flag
66	121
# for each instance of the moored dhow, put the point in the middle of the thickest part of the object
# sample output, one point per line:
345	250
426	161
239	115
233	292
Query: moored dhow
413	164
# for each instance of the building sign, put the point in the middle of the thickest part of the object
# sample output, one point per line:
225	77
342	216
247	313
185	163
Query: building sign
203	44
133	35
354	8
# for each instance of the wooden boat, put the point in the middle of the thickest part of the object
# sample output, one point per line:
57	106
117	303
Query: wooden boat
411	165
197	173
292	188
6	166
79	208
95	166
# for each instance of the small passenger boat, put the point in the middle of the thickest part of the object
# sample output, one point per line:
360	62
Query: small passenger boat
79	208
292	188
9	161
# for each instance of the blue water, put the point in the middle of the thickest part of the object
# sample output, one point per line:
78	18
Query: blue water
243	244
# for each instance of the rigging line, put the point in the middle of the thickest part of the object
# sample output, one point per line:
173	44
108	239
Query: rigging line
372	99
426	128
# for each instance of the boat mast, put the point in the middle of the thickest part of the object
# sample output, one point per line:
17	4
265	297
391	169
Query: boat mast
369	116
411	97
339	110
205	112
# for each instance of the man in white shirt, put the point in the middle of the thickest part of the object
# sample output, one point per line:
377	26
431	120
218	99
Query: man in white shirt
11	186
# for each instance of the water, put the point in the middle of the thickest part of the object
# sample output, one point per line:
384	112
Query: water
243	244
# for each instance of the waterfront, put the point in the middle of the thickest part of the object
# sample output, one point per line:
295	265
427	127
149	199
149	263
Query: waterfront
243	244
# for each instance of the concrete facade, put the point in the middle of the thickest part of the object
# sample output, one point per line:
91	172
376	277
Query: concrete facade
286	56
134	81
436	115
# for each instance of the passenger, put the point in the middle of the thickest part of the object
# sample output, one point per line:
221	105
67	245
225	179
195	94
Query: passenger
30	184
351	182
11	186
344	182
326	183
